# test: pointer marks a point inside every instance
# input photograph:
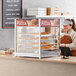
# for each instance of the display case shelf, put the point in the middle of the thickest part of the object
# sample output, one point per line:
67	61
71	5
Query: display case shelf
48	44
31	43
47	35
29	34
28	39
51	49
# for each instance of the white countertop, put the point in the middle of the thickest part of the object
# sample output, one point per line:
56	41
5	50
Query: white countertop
71	60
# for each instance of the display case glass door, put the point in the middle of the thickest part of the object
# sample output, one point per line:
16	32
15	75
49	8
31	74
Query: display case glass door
50	36
27	37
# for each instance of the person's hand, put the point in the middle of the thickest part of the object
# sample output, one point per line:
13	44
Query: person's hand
63	45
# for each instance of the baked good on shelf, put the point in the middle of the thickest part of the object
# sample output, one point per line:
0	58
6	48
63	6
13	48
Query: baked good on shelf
47	47
44	38
43	33
50	46
44	43
42	47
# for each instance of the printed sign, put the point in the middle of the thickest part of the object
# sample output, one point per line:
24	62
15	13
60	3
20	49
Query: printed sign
25	22
45	22
11	9
50	22
21	22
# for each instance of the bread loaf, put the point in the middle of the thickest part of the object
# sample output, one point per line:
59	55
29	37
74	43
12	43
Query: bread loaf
66	39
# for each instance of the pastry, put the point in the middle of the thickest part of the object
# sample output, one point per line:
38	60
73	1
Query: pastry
47	47
66	39
43	33
44	38
44	43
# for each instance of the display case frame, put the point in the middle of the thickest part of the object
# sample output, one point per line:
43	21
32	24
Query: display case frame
39	54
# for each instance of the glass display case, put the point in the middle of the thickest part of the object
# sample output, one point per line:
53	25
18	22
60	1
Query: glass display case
37	37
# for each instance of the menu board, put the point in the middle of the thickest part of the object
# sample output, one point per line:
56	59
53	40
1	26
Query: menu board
11	9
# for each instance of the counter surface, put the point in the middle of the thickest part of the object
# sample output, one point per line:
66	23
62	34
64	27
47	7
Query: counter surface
71	60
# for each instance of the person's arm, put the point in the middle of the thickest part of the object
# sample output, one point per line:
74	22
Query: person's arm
73	44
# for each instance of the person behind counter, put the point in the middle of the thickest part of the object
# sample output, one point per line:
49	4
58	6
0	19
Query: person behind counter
69	28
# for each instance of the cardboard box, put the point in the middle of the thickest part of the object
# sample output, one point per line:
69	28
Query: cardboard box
53	11
36	11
